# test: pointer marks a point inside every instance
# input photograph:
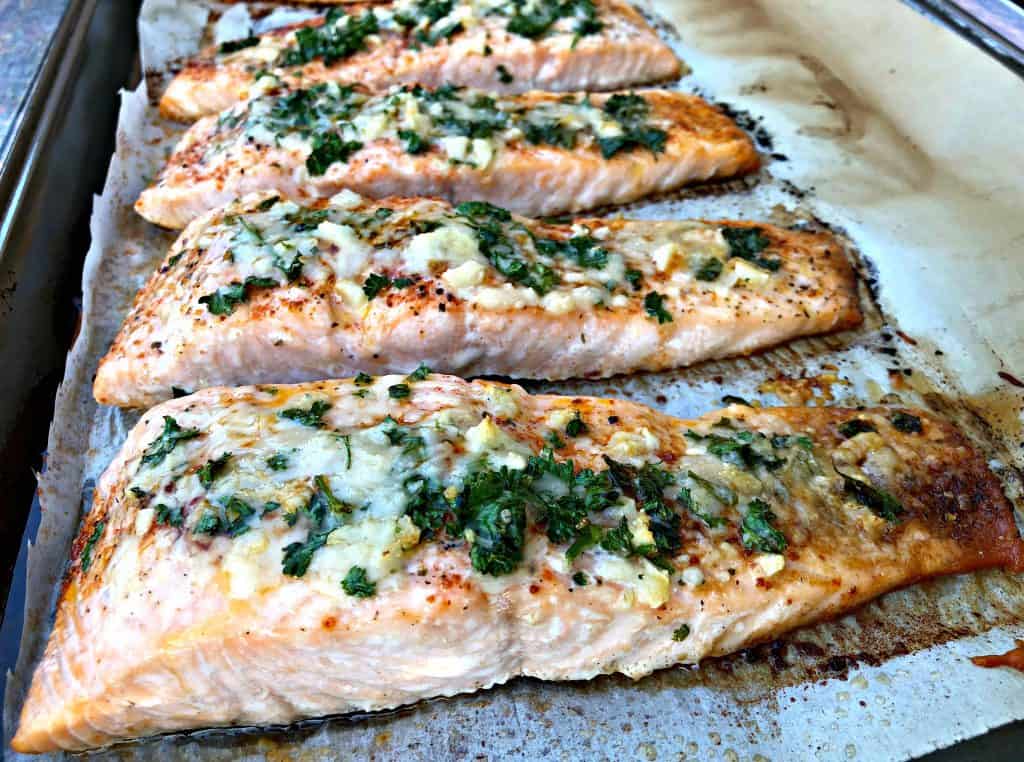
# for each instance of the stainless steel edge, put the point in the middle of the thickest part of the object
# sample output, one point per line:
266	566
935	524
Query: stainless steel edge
975	30
48	93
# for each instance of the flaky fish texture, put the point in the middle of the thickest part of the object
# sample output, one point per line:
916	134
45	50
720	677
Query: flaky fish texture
536	154
261	555
604	45
267	291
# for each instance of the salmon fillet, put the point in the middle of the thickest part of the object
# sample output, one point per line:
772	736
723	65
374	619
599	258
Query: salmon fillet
583	45
536	154
267	291
260	555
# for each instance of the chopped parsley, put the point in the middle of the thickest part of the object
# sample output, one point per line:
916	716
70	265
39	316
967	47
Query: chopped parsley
338	37
233	46
97	532
413	142
277	462
757	532
230	518
298	555
878	501
580	579
907	423
646	485
163	445
711	490
747	244
681	633
746	449
534	20
855	426
398	391
488	223
169	516
375	283
329	149
582	249
635	279
654	305
427	506
495	505
305	219
224	300
504	75
363	379
709	269
357	584
554	441
420	374
631	112
212	469
576	426
311	417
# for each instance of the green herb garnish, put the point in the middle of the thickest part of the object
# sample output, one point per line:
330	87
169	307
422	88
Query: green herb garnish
757	532
212	469
338	37
357	584
880	502
233	46
329	149
654	305
311	417
907	423
169	516
224	300
855	426
747	244
576	426
298	555
97	532
277	462
420	374
163	445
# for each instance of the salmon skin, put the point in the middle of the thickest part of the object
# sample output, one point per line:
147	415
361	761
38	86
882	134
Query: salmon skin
260	555
268	291
563	46
536	154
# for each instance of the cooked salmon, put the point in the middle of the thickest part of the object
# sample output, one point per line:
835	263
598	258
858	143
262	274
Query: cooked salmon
261	555
497	45
268	291
536	154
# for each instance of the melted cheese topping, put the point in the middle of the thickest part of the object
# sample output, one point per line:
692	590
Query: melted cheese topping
455	126
471	20
361	249
279	489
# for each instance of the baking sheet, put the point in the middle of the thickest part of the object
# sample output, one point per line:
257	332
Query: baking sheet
884	126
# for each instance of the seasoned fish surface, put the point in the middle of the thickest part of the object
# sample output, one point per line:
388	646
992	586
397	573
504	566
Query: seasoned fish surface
536	154
563	46
264	554
267	291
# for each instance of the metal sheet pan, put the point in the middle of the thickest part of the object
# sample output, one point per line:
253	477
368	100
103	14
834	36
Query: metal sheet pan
867	145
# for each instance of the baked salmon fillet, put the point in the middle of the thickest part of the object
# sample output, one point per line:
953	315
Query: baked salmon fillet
497	45
259	555
268	291
538	153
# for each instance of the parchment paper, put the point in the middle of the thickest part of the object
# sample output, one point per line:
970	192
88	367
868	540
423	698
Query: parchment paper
889	129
